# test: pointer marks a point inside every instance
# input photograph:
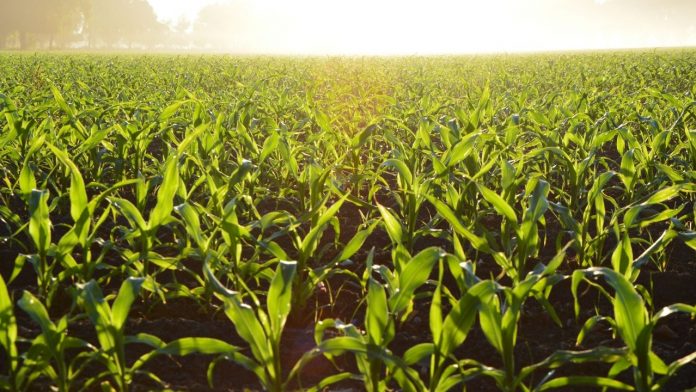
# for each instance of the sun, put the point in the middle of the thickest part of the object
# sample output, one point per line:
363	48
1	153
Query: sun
416	27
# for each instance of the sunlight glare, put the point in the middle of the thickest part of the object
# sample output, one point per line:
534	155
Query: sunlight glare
390	27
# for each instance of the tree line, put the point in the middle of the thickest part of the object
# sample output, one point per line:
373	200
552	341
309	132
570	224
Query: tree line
56	24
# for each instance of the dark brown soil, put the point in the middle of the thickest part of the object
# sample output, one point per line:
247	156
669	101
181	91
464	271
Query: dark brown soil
538	336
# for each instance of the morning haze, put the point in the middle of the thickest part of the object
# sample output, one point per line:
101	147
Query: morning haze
341	27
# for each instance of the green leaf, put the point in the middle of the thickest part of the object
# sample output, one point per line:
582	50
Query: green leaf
622	257
27	182
538	205
392	224
308	244
37	311
269	146
193	224
280	295
491	322
462	149
630	313
620	366
597	354
363	136
78	192
197	345
664	194
403	170
249	328
183	146
214	283
61	102
418	352
507	170
39	222
672	174
8	322
129	291
538	202
585	381
166	193
596	189
674	308
241	173
628	169
498	203
660	243
657	364
342	344
587	328
79	204
689	238
631	215
576	278
171	110
414	275
377	323
324	384
354	244
130	211
146	339
678	364
322	120
99	313
461	318
443	209
435	316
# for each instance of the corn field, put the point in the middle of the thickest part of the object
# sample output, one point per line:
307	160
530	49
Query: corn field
491	223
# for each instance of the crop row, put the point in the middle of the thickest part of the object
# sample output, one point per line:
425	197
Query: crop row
445	194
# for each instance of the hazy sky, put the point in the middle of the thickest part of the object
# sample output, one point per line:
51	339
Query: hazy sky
437	26
172	10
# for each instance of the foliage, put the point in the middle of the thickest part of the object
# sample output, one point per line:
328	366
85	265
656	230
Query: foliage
446	196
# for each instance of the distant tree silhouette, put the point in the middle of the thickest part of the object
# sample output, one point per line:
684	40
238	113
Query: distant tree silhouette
221	25
43	23
122	22
52	24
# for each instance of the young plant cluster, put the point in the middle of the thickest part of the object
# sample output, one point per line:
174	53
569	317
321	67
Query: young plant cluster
408	223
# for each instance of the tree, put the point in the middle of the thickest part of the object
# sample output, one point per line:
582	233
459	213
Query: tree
12	18
225	26
122	22
43	22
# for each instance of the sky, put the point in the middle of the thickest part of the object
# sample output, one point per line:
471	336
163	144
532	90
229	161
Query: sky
172	10
389	27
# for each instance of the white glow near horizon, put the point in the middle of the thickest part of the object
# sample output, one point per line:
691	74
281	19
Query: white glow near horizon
171	11
431	27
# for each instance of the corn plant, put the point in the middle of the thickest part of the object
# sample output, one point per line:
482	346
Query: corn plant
499	322
589	247
109	322
440	170
385	310
634	325
262	330
513	259
13	378
142	234
411	196
82	233
49	352
377	365
307	245
449	332
402	285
